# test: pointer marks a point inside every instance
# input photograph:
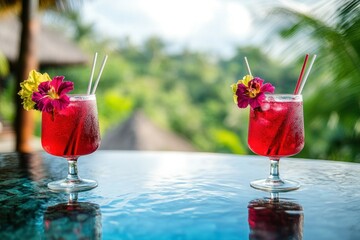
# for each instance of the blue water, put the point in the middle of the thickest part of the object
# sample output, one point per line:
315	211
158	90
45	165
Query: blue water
173	199
172	196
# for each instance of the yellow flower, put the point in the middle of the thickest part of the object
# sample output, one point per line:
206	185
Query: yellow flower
246	79
251	91
29	86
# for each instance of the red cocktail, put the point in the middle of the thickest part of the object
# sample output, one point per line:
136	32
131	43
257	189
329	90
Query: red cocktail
275	219
276	129
70	133
73	220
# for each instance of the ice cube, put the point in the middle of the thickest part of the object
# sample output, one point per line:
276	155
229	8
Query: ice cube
265	106
279	107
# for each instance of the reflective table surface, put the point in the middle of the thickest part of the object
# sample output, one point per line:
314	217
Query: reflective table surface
177	195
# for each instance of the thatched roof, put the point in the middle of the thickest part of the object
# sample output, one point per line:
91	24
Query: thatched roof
139	133
54	48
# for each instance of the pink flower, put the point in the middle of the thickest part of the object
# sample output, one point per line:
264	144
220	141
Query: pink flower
52	95
251	91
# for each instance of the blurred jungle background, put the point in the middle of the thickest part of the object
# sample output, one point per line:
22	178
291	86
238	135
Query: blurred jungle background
187	90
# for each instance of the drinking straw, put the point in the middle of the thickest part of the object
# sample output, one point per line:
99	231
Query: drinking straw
92	73
301	74
248	66
307	74
98	78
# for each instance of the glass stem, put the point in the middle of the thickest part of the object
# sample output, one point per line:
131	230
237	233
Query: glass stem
73	197
274	197
274	171
72	170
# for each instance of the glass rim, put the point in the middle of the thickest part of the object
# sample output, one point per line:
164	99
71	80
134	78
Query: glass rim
282	94
81	97
283	97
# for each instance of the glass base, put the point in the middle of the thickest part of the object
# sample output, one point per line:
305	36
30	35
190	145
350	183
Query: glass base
66	185
269	185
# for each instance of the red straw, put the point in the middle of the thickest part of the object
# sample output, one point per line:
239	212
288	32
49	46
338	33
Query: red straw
301	75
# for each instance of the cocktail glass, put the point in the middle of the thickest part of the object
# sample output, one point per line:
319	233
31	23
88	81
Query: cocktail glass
275	219
276	130
71	133
73	220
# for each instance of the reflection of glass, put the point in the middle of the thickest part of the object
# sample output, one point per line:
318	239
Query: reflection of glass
73	220
277	130
71	133
272	219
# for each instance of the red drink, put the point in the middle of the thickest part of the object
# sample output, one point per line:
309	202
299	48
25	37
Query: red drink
74	131
80	220
275	220
277	129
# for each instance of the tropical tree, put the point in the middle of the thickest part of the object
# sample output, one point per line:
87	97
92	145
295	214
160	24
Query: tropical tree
27	60
330	28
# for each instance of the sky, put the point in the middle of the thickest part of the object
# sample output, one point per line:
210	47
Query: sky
215	26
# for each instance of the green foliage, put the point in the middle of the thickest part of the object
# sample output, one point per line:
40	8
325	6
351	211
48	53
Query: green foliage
228	141
332	108
4	66
189	92
113	108
7	106
282	77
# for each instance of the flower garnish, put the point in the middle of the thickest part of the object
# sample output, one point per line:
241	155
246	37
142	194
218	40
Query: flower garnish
29	86
42	93
52	94
250	91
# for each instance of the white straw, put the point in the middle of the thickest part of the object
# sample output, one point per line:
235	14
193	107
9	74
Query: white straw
98	79
247	66
92	74
307	74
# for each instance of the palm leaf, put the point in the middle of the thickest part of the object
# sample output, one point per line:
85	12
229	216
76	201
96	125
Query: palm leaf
332	98
336	49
